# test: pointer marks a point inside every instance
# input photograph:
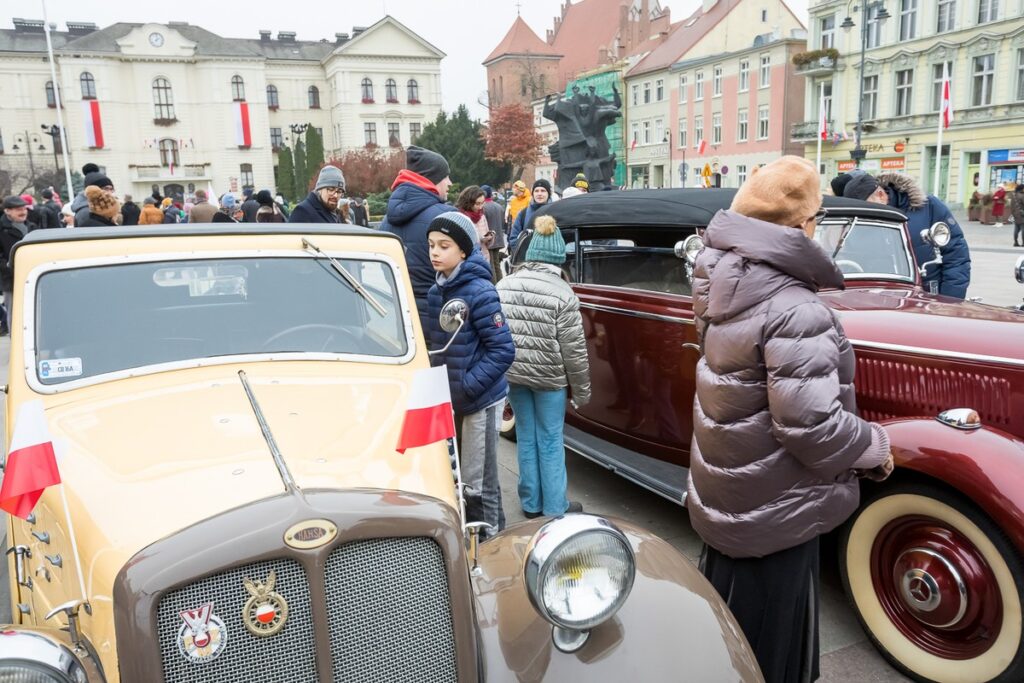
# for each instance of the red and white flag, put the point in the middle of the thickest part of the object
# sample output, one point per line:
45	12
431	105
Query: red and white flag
632	146
428	416
947	98
822	121
93	123
702	148
243	133
31	463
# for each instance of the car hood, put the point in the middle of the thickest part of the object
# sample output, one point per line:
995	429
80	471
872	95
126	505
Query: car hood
910	318
153	455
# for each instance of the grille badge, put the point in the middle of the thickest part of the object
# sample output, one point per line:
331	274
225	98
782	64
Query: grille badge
203	635
311	533
265	612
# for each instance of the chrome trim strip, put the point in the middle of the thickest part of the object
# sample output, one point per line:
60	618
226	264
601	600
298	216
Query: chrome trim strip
29	336
638	314
627	474
938	353
268	436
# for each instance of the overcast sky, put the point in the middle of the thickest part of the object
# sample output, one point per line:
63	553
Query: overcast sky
465	31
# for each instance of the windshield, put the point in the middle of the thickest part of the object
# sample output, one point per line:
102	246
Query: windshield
870	249
102	319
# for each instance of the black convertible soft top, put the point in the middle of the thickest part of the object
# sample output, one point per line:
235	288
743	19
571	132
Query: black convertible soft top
678	207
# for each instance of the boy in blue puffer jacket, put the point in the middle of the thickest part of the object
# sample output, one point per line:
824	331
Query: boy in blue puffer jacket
477	359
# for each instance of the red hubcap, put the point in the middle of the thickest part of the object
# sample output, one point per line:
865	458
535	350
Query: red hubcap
936	587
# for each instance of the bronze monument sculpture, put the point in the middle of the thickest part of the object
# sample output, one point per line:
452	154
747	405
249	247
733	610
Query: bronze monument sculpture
582	145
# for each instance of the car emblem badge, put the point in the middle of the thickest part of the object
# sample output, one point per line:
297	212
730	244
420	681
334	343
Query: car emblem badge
203	635
265	612
310	534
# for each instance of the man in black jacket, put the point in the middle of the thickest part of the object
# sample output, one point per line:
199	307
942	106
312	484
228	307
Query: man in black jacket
49	212
14	225
130	211
321	205
250	207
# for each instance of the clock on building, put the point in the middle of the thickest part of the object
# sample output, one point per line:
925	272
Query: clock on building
156	39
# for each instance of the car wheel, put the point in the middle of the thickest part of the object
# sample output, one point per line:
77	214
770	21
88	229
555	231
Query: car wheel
508	421
936	585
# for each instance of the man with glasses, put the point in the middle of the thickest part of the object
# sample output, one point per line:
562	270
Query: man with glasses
322	203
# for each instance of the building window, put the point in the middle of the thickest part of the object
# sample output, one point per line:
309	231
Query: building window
946	14
237	89
276	139
414	132
682	88
659	130
764	16
937	77
1020	75
870	101
827	26
988	10
681	142
248	182
716	128
370	133
646	125
874	28
984	71
88	86
163	100
766	70
51	98
634	132
698	82
659	90
698	130
168	153
391	91
828	101
414	91
744	75
395	134
716	81
741	173
742	122
272	99
367	90
762	123
904	92
908	19
636	95
647	92
314	97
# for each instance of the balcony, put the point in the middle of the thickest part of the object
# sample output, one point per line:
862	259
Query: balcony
156	172
817	62
807	131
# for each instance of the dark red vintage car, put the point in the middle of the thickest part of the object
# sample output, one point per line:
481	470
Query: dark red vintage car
932	559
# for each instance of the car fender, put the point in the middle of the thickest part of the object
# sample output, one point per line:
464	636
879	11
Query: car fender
672	624
983	464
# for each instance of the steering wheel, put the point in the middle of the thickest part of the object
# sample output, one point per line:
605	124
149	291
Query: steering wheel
848	266
330	330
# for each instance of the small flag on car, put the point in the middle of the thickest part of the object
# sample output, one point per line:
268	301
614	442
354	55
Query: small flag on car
31	464
428	415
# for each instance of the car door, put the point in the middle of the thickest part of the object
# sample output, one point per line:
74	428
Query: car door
635	299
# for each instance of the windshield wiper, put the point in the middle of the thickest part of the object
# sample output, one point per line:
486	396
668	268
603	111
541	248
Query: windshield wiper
842	237
348	277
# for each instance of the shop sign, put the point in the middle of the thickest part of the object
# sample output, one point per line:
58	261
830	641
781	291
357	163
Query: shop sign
846	166
899	147
893	164
1002	156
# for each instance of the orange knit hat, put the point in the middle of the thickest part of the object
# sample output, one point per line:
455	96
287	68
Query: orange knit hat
785	192
102	203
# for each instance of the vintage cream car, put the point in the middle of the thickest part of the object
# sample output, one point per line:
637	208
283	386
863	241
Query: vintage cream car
224	404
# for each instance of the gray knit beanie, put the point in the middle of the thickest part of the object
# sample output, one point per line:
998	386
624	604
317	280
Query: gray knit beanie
330	176
456	225
427	163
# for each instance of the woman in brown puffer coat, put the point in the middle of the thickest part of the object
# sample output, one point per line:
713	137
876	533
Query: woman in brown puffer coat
777	442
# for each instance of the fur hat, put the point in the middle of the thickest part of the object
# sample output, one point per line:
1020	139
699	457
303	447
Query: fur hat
546	245
427	163
102	203
456	225
785	192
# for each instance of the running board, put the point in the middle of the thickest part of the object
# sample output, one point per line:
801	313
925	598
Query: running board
657	476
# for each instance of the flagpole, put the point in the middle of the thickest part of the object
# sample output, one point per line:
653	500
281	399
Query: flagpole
60	116
938	158
821	116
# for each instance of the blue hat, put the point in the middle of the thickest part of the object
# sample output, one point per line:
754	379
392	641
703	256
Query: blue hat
488	191
546	245
228	201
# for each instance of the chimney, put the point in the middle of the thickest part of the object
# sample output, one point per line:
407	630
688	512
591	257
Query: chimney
264	36
82	28
286	36
340	38
551	36
356	30
29	26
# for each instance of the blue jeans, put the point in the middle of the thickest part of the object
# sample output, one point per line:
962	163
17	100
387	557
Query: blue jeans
540	419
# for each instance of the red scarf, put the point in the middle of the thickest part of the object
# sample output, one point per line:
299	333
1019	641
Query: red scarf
474	216
407	176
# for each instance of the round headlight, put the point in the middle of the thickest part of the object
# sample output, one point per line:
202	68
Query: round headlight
12	672
579	571
939	234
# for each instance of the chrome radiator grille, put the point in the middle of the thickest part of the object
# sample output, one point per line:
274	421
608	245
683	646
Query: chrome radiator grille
288	656
389	612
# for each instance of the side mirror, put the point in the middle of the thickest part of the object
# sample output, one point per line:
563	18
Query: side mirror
938	235
1018	270
689	248
453	315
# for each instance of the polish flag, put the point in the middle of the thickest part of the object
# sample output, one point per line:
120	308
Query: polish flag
947	98
31	463
93	124
702	148
823	122
243	134
428	417
633	145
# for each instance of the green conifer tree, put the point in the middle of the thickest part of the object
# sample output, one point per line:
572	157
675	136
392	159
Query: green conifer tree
286	174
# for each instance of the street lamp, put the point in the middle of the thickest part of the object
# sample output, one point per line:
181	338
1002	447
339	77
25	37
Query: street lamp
881	14
668	139
298	128
54	132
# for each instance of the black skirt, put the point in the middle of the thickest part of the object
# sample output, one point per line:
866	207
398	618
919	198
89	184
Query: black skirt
775	600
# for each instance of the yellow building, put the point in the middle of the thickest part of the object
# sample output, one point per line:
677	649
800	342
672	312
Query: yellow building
905	49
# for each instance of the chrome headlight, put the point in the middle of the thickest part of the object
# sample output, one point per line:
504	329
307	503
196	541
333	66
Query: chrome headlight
938	235
43	656
579	571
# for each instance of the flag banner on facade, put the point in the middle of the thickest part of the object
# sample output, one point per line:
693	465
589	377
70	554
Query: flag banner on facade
947	99
822	121
93	124
428	415
243	134
632	145
31	463
702	148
